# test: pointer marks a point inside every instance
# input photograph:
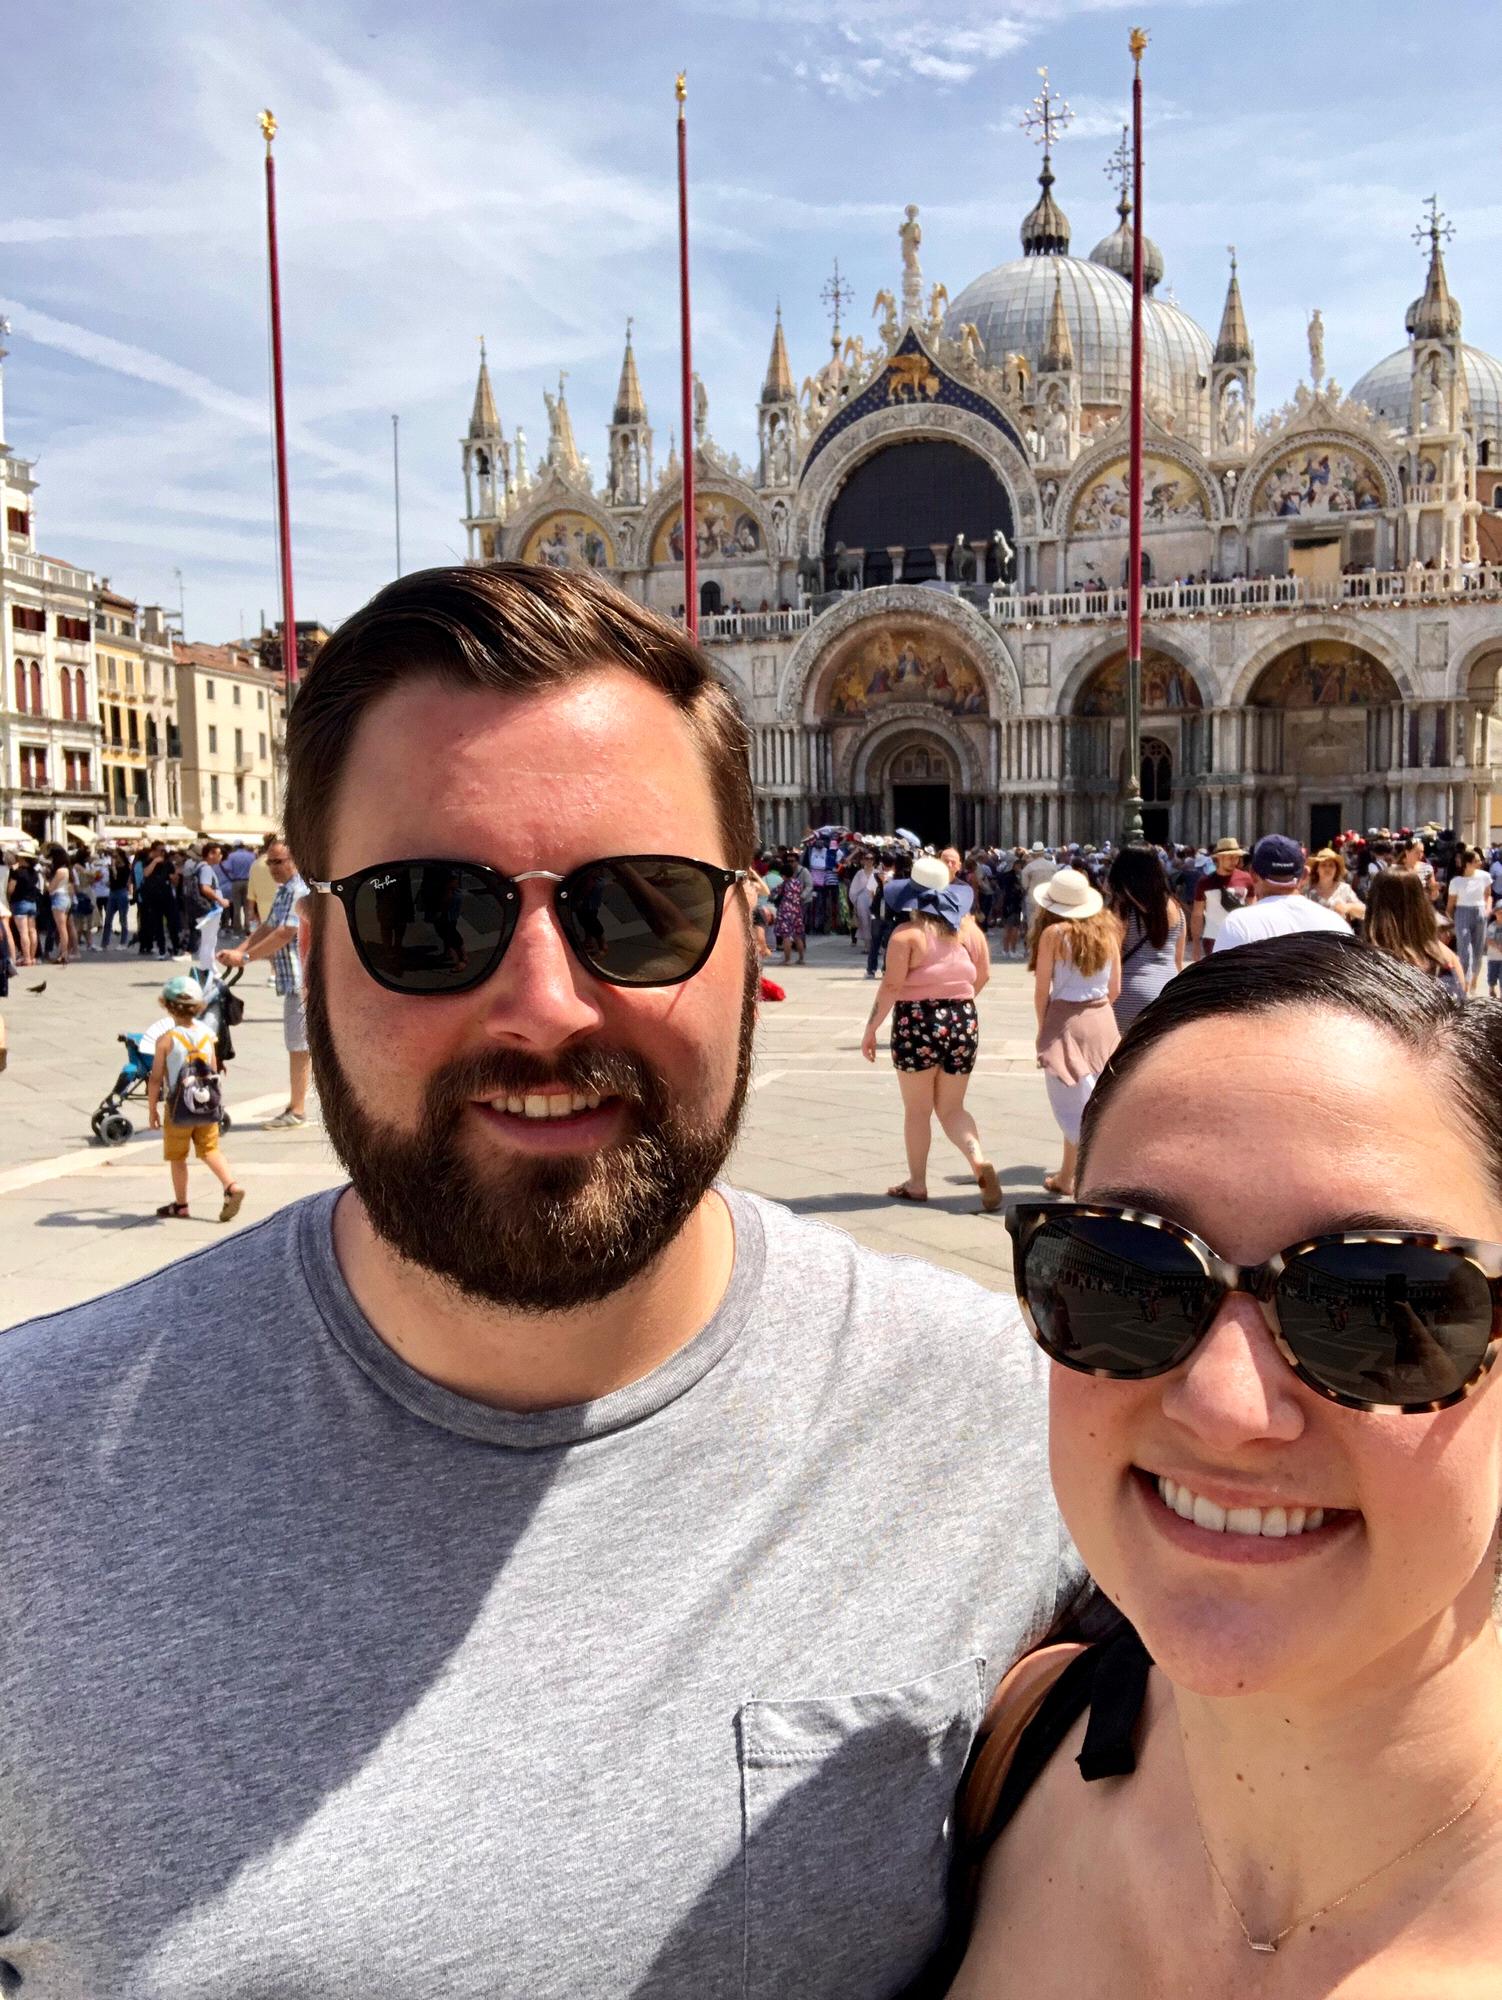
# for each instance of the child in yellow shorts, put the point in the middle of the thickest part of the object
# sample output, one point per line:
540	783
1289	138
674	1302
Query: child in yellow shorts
188	1039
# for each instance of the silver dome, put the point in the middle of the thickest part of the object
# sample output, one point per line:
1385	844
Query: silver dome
1010	308
1387	388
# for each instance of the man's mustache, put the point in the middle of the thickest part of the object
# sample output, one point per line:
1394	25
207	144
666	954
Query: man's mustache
591	1071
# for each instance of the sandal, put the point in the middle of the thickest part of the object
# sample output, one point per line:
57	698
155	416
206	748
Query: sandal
902	1192
234	1201
990	1187
174	1211
1056	1186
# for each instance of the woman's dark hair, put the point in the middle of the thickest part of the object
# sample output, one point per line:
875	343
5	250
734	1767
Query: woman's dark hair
57	857
1344	976
1400	919
1138	884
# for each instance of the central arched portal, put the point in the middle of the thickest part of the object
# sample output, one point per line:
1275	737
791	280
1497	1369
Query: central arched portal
918	787
906	505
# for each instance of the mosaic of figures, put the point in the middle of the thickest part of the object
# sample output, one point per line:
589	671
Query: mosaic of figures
569	540
1320	480
1166	687
896	666
725	529
1168	494
1323	674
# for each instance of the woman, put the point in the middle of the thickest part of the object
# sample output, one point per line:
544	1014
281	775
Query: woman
1074	955
1286	1471
1400	920
25	893
91	883
862	893
1328	885
8	940
1013	909
1153	930
794	892
60	896
937	962
1469	901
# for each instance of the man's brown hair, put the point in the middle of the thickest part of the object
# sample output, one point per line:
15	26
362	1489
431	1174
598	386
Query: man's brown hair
514	628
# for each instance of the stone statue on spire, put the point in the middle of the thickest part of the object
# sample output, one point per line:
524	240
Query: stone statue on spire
910	235
1316	348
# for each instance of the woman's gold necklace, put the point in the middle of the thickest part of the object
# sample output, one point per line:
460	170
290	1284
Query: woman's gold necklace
1308	1916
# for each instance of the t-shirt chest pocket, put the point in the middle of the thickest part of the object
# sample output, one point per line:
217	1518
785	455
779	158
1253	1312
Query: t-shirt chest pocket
846	1803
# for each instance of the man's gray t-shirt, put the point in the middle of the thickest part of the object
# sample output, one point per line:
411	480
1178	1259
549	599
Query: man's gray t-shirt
319	1680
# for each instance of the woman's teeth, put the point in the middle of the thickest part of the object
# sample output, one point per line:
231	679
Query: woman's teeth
557	1104
1275	1522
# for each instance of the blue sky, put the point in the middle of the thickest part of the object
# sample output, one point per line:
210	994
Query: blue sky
508	169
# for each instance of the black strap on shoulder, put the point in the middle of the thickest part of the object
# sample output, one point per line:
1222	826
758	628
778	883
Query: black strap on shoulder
1120	1686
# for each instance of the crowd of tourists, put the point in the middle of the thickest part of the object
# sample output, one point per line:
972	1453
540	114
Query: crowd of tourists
539	1566
57	903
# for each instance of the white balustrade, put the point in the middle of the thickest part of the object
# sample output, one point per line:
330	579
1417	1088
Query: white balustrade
1370	588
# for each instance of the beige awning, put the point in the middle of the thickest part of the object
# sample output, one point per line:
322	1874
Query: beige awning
84	833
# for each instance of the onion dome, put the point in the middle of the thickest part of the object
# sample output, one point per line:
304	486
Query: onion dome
1387	390
1045	227
1115	252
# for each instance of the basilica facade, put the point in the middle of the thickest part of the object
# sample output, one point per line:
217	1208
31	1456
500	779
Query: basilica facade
917	590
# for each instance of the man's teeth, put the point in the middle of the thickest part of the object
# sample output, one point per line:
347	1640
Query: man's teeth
1275	1522
557	1104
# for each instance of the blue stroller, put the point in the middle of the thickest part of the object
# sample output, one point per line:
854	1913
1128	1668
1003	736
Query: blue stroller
222	1010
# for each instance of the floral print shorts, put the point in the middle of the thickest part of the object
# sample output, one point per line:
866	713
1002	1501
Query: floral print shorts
935	1034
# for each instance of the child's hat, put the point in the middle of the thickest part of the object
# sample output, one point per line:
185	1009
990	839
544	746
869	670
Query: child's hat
182	992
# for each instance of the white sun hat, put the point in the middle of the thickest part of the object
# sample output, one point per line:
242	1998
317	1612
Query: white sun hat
1068	894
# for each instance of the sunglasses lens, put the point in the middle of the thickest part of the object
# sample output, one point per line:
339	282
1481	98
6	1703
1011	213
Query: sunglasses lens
430	926
1115	1297
642	921
1386	1322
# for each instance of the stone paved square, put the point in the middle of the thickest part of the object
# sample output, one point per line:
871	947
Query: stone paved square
823	1131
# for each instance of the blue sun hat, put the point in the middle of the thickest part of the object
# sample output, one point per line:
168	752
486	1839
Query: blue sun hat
929	891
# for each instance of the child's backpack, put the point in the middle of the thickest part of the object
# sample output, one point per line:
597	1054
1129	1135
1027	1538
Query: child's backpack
196	1097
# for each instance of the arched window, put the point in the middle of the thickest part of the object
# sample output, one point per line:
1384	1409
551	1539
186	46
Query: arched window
80	695
36	687
66	678
20	687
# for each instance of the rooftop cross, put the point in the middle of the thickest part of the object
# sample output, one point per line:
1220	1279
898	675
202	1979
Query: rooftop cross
1437	229
1119	167
1047	116
836	296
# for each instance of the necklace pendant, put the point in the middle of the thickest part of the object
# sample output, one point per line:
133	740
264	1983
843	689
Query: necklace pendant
1258	1944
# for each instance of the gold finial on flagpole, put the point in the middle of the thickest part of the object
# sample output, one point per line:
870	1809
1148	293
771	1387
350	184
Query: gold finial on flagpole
1138	44
268	128
680	90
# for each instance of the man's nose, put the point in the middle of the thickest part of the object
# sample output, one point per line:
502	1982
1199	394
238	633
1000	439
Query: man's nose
541	996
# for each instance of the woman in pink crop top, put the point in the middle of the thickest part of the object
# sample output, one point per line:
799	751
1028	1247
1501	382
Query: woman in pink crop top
937	962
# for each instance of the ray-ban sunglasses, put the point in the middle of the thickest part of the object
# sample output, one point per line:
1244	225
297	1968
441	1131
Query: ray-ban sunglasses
436	926
1383	1320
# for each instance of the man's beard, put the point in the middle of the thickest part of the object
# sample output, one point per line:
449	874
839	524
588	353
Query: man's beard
532	1234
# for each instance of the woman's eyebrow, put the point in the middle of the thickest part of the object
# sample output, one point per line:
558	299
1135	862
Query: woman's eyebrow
1356	1222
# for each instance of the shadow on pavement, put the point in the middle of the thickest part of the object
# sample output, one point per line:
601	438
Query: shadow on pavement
98	1218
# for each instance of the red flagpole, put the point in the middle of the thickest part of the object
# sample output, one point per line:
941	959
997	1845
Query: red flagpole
283	520
690	519
1133	802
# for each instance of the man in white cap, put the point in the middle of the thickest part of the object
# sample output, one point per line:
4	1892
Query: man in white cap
1279	866
1040	867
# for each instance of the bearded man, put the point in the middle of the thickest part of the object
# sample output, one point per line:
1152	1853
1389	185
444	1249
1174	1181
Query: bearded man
536	1568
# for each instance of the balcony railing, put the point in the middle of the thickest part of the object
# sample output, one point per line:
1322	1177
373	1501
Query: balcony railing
726	626
38	569
1367	590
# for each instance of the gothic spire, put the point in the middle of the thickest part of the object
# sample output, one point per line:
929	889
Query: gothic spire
1235	342
778	387
1435	316
483	420
1058	348
630	404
